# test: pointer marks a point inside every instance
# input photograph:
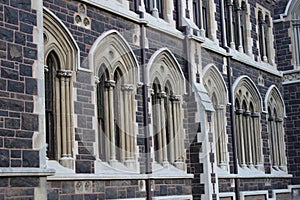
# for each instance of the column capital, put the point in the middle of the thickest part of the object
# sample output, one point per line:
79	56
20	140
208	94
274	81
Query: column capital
220	107
255	114
97	79
162	95
247	113
110	83
175	98
239	111
271	118
127	87
278	119
64	73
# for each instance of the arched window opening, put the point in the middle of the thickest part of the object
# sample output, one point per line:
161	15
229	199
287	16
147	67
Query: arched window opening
247	120
276	131
52	64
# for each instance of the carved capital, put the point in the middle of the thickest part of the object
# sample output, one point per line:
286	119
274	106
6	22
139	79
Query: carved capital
255	114
64	73
110	84
127	87
175	98
162	95
97	80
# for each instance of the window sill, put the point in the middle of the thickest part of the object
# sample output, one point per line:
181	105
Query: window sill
105	172
252	173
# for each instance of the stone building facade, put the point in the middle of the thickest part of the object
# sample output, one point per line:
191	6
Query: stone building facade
153	99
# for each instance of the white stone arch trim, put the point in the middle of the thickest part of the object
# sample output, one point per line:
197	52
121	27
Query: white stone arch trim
69	46
292	7
114	39
273	91
165	57
212	71
251	87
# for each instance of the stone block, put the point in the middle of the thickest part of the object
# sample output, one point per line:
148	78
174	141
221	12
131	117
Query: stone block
27	17
24	182
31	158
11	15
9	74
30	122
15	86
12	123
14	52
4	158
31	86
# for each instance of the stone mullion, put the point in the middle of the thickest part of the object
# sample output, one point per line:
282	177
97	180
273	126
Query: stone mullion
106	121
230	12
239	28
122	127
176	139
250	137
264	56
110	84
243	159
163	128
276	152
127	89
255	117
159	132
68	118
222	139
180	130
282	163
238	133
171	131
202	31
63	116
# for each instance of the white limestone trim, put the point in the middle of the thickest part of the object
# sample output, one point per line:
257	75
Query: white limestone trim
279	191
77	61
257	192
151	21
226	194
175	197
238	56
213	67
156	59
104	176
25	172
291	5
276	90
291	76
91	56
248	79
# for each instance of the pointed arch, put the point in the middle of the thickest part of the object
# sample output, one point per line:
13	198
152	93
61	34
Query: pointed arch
247	117
59	39
217	91
249	85
112	47
163	64
274	92
211	72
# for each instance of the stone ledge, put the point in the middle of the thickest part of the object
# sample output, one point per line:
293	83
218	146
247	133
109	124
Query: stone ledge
10	172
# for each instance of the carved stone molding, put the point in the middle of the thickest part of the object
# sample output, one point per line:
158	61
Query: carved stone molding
64	73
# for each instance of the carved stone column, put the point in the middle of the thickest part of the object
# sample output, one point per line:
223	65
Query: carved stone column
110	86
129	132
241	136
230	21
162	97
249	136
65	136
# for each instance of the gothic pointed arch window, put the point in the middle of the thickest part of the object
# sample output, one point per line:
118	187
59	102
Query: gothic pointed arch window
60	54
275	120
293	13
217	91
167	85
115	69
202	17
247	123
265	36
